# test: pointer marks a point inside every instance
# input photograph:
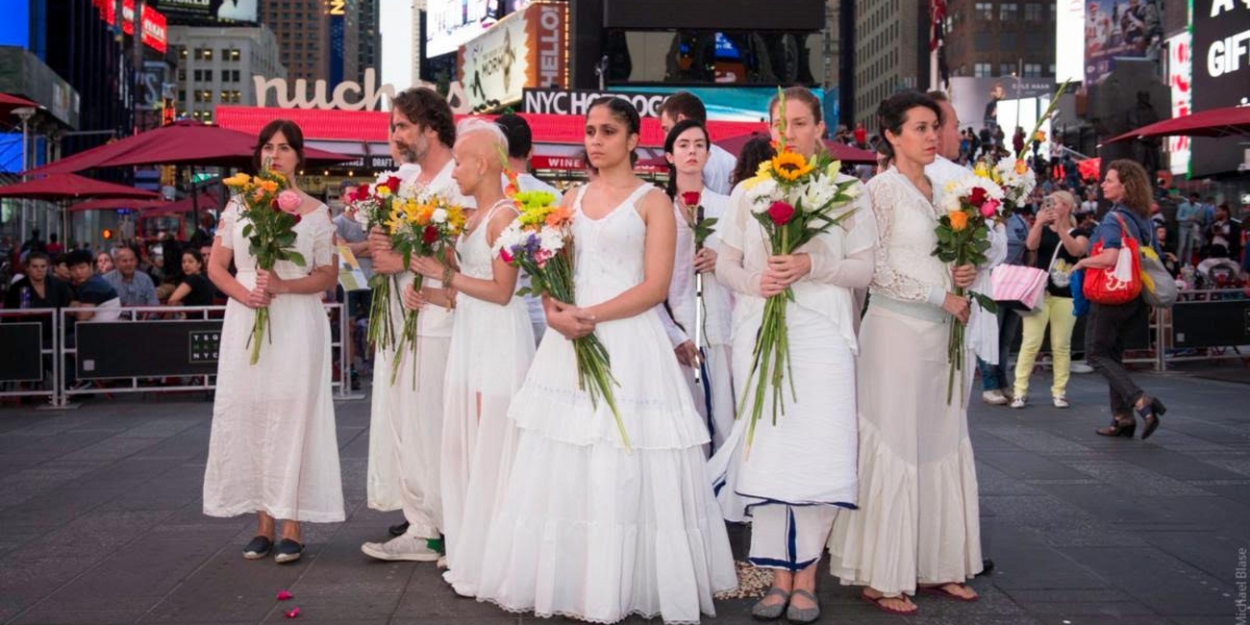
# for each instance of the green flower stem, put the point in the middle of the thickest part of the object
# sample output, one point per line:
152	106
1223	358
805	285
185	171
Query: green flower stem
407	334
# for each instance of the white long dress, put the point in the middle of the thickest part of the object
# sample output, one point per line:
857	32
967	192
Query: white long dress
273	446
714	393
817	431
491	350
918	517
589	529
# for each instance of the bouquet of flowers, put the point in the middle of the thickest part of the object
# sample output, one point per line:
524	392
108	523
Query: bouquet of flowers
372	205
540	243
271	209
421	226
794	199
971	205
1016	179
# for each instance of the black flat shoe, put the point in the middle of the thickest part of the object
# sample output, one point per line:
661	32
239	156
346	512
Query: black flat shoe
1150	416
258	548
1119	427
288	551
398	529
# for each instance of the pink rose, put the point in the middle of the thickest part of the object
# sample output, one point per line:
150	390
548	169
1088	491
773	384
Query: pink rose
289	201
989	208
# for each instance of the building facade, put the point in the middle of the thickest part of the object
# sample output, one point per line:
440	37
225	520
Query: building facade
330	40
891	53
216	66
991	38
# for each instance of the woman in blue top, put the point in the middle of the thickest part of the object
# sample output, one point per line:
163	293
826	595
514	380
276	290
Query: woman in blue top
1127	186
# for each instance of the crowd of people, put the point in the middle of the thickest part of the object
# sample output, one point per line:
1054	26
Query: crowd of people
514	479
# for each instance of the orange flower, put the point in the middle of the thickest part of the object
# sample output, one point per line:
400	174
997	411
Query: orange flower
1021	167
959	220
559	216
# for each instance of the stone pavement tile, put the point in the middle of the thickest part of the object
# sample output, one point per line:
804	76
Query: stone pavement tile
25	580
928	619
59	443
1040	568
51	612
428	596
1225	515
1238	492
113	448
487	620
57	508
1176	465
227	588
1155	578
1205	620
1213	552
991	481
1077	611
47	424
1035	440
92	536
1119	511
1134	479
1028	465
1052	521
166	427
187	445
20	487
1237	462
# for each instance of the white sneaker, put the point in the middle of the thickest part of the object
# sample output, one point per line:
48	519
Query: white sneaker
1080	366
1061	401
994	398
1017	402
406	547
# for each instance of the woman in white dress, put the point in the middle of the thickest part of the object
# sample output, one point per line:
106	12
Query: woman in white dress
799	471
917	524
686	149
273	449
492	344
588	528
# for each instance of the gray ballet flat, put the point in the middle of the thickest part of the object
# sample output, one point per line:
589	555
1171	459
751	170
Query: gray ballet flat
804	615
762	612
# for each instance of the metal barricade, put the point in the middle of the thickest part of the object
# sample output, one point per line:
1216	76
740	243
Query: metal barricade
26	349
1215	321
143	367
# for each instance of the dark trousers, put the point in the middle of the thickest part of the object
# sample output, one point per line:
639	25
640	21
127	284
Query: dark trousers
1106	330
994	377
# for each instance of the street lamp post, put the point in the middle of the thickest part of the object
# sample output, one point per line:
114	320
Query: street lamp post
24	113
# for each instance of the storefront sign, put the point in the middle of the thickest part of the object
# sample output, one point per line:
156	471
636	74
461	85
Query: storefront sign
366	98
1221	77
575	102
525	49
153	23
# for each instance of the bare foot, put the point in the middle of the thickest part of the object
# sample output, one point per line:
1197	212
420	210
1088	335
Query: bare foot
954	589
900	604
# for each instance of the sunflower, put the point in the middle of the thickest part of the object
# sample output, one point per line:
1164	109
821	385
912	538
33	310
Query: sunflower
790	166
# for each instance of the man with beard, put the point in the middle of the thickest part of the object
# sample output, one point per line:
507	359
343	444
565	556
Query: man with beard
406	421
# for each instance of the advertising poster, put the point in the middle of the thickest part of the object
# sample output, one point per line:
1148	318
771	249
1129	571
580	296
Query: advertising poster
1180	80
1119	28
1221	75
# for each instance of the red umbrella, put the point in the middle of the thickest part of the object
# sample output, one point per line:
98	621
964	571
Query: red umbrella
180	143
70	186
839	151
114	204
10	102
206	201
1221	122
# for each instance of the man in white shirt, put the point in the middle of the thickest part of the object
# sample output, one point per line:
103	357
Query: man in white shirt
983	329
520	151
720	164
407	417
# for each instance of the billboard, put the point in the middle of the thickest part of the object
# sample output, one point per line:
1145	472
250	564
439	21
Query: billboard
1221	74
207	12
1069	29
1114	28
152	23
15	28
525	49
1180	80
738	104
986	102
454	23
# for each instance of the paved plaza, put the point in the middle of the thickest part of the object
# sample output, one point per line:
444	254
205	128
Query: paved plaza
100	522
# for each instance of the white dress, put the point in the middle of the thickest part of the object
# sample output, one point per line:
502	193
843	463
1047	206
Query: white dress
817	432
918	516
491	350
588	529
273	446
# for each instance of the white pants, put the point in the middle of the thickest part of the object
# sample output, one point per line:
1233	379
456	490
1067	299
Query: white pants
789	537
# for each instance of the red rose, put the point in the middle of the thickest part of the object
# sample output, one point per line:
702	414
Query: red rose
781	213
274	205
392	183
690	198
362	192
298	217
430	235
977	197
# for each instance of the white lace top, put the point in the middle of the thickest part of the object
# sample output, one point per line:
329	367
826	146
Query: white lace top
905	268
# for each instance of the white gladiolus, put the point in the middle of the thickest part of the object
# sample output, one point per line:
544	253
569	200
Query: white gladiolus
439	216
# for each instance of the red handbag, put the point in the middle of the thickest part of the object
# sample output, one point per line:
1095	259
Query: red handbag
1116	285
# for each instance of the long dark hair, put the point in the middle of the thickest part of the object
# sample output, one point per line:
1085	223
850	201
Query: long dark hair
670	142
754	152
290	130
892	114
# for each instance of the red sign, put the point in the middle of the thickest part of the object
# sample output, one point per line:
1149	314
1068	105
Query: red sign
153	21
562	163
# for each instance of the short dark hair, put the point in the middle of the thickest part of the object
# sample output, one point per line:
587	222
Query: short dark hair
754	152
290	130
194	253
36	255
937	95
79	257
684	104
517	130
424	107
60	259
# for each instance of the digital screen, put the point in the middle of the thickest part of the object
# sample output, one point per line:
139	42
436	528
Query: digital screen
15	27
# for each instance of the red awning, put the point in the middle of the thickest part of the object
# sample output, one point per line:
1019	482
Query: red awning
69	186
372	126
180	143
114	204
206	201
1222	122
840	151
10	102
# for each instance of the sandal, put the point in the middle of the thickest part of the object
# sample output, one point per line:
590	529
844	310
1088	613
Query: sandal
943	592
888	610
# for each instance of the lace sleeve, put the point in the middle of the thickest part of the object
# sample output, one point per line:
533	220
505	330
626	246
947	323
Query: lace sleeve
889	278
